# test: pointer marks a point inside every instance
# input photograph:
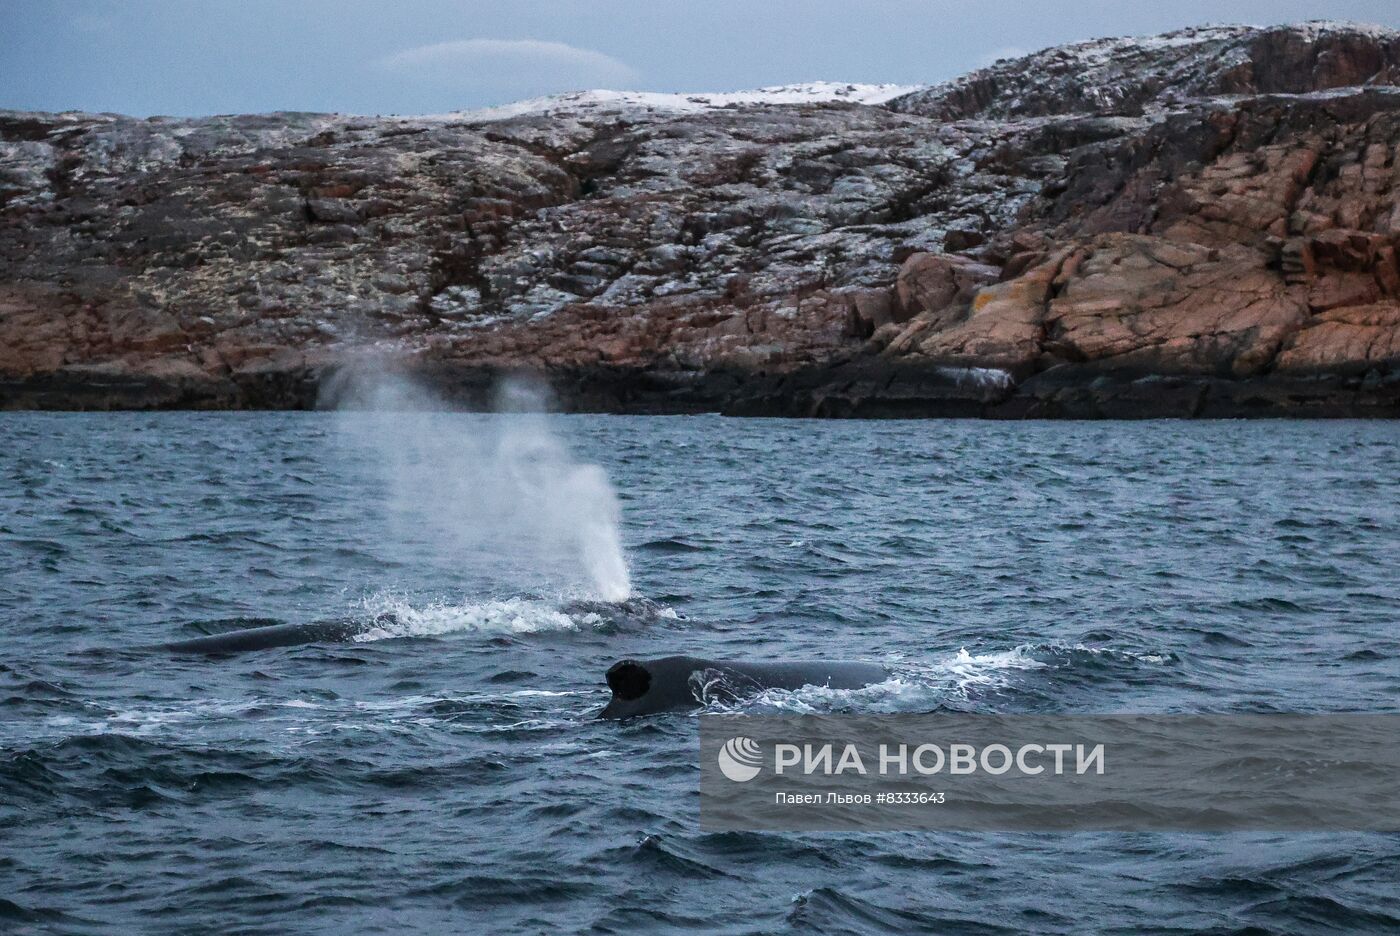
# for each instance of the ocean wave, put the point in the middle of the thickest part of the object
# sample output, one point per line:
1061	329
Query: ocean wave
227	720
397	617
508	616
828	909
973	675
148	720
952	682
674	544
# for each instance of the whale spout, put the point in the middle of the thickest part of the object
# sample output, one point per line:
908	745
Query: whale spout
681	683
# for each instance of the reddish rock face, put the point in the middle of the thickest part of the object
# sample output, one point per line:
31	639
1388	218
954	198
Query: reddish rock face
1202	223
1246	261
938	286
999	325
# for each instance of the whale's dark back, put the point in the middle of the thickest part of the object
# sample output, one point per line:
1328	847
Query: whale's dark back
632	612
677	683
277	635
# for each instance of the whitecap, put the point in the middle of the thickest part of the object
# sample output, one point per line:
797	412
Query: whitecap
507	616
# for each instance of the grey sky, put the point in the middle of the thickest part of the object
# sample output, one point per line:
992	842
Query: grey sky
415	56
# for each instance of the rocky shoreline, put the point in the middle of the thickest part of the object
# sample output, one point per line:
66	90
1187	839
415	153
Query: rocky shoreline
853	390
1200	224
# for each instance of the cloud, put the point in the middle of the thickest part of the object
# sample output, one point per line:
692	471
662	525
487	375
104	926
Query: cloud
508	68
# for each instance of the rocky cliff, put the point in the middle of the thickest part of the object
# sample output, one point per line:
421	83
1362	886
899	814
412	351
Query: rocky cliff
1201	223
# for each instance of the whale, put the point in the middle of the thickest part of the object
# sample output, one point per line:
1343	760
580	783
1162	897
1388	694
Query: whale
337	630
630	611
681	683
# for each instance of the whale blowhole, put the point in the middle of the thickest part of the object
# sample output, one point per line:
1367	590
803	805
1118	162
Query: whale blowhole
629	680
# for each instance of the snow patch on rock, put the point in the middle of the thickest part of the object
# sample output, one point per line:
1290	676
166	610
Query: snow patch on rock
604	101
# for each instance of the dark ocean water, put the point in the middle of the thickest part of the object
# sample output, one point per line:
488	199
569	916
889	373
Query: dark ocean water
451	776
